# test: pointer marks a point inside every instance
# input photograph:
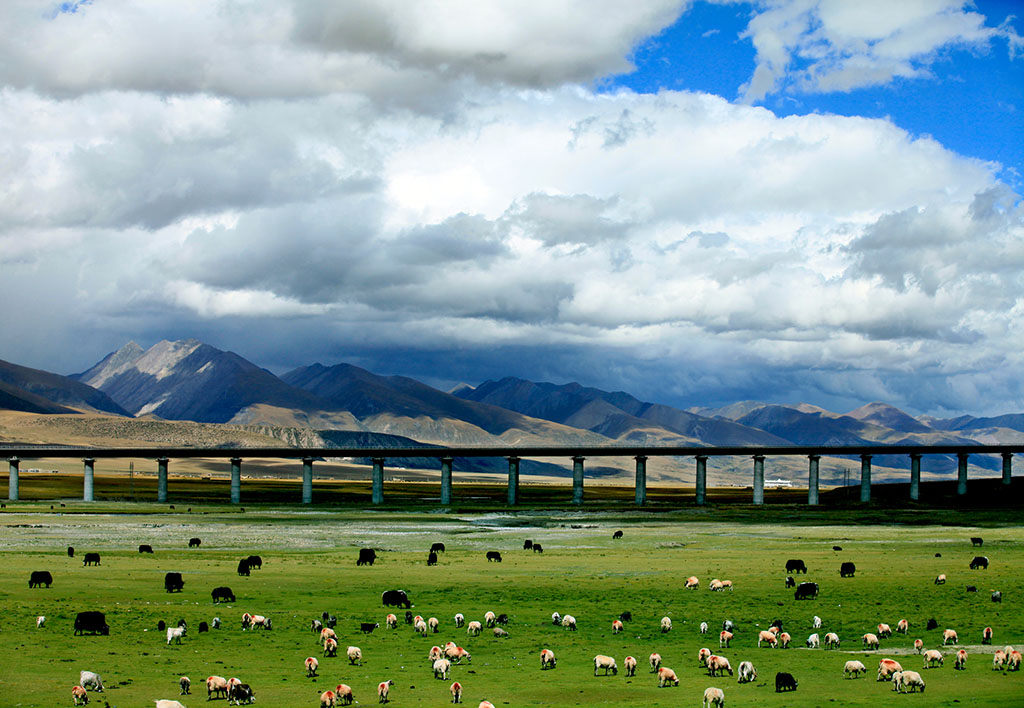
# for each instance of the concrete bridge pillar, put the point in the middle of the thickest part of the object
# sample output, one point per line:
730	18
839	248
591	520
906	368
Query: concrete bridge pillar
702	480
161	479
446	480
641	480
377	493
812	479
961	474
759	479
1007	467
87	487
307	480
915	476
865	478
236	480
12	485
577	479
513	481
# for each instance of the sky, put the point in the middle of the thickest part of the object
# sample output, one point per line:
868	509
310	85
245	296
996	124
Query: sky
696	202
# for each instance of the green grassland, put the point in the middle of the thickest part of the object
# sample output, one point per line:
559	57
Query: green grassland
309	567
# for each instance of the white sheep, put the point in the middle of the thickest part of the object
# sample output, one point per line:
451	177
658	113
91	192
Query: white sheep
460	620
355	655
714	697
174	634
569	622
666	625
854	667
703	627
747	672
605	662
441	669
90	680
473	628
40	621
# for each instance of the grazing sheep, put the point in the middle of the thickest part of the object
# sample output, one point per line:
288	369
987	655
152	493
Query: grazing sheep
747	672
433	624
485	704
727	584
456	689
884	630
655	661
713	698
40	621
886	668
185	684
715	585
331	647
344	694
391	621
775	629
949	637
500	633
908	679
1013	660
940	579
441	669
784	640
328	699
79	696
434	654
960	663
831	640
816	622
547	659
355	655
998	660
460	619
692	583
718	664
703	627
902	627
556	619
986	635
918	645
997	596
175	634
766	636
870	641
216	685
489	618
932	658
667	676
167	704
311	666
458	654
630	663
90	680
420	627
605	662
327	633
473	628
616	626
383	689
854	668
569	622
666	625
703	655
723	639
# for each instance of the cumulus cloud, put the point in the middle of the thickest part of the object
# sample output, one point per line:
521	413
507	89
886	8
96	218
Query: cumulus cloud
834	45
249	181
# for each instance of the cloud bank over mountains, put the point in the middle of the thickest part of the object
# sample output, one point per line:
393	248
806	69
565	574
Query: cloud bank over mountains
456	196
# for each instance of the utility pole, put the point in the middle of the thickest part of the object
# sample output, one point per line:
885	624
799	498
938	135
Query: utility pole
131	481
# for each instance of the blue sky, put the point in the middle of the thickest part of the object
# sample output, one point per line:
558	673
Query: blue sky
971	99
788	200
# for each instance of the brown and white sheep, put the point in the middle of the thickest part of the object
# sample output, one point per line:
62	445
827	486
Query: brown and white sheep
327	633
433	625
902	627
940	579
489	618
655	661
391	621
949	637
547	659
311	666
328	699
344	694
355	655
185	686
884	630
918	646
718	664
666	624
998	660
456	689
932	658
724	638
216	685
960	663
703	655
832	640
420	628
667	676
870	641
986	635
1013	660
766	636
908	680
616	626
79	696
569	622
630	665
383	689
500	633
784	640
331	647
692	583
886	668
473	628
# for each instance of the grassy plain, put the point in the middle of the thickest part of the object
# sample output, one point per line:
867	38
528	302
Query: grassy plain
309	566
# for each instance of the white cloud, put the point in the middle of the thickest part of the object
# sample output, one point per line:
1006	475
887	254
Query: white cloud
836	45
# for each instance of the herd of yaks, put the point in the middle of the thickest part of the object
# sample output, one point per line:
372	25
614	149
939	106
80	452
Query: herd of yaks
442	659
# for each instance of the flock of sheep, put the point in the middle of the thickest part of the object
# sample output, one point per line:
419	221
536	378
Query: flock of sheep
442	659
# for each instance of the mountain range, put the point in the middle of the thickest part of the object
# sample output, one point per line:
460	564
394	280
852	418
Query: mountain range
188	380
